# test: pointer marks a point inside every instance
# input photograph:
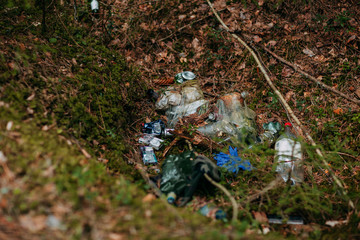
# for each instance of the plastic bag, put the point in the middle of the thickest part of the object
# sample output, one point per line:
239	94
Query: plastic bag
181	174
182	101
234	119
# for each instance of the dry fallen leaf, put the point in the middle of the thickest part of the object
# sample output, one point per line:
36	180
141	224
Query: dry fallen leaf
287	72
357	92
257	39
289	95
351	88
308	52
260	217
338	111
271	43
351	38
149	198
33	224
307	94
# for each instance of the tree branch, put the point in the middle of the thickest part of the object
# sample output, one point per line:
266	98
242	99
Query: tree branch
297	69
286	106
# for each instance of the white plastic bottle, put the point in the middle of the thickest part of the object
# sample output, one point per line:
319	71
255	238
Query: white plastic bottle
288	156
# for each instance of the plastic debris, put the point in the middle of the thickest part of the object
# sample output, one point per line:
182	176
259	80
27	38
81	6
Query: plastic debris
288	156
181	101
151	140
156	127
213	212
156	143
294	220
233	118
171	197
148	155
272	130
232	162
181	174
184	76
94	6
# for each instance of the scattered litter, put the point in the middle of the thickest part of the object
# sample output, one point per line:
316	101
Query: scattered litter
94	6
233	118
157	128
213	212
171	197
180	101
184	76
232	162
272	130
181	174
294	220
148	155
3	158
333	223
151	140
288	156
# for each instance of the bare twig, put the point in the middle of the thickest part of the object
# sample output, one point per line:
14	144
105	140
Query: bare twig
170	146
270	186
287	107
187	25
67	31
296	68
345	154
228	194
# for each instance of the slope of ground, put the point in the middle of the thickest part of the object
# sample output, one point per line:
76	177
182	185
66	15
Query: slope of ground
74	97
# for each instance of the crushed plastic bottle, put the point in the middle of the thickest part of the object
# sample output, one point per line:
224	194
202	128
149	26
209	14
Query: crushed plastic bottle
213	212
288	156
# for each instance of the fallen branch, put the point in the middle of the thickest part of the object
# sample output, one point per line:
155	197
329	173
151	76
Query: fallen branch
297	69
273	184
286	106
228	194
66	29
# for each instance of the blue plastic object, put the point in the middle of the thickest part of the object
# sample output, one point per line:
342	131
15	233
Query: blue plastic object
232	162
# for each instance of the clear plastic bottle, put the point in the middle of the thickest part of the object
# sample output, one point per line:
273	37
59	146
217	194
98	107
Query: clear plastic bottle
288	156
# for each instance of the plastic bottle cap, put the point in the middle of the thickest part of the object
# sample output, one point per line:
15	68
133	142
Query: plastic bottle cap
288	124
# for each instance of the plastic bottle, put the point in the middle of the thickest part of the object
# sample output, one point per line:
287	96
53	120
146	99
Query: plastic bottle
272	130
213	212
288	156
94	6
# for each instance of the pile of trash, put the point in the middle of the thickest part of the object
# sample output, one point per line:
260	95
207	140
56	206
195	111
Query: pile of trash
229	121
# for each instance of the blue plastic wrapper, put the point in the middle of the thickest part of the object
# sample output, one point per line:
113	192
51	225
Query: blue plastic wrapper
232	162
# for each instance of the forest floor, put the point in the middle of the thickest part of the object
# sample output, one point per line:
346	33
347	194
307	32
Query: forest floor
73	98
